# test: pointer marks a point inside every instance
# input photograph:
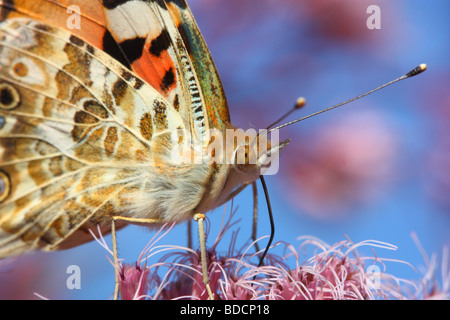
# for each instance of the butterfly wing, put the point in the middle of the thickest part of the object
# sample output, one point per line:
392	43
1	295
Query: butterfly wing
78	111
172	35
78	132
152	39
170	40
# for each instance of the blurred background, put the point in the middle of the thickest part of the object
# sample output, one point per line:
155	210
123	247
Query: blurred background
378	168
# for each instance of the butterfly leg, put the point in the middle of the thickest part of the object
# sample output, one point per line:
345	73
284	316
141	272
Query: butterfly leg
201	233
114	245
115	259
189	234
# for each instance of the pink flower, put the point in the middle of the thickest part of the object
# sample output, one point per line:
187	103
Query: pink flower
330	275
185	280
133	281
310	284
329	272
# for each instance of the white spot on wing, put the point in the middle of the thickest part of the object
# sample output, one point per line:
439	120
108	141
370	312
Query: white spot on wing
130	20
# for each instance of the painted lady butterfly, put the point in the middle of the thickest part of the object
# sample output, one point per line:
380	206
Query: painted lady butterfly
87	116
88	108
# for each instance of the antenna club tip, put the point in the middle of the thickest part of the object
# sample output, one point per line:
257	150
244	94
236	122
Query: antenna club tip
421	68
300	103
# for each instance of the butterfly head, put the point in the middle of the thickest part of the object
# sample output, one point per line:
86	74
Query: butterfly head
247	161
255	158
251	155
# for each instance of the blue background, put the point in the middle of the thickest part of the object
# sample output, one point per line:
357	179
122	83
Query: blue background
270	52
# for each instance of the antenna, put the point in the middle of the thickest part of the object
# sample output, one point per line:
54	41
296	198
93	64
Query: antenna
421	68
300	103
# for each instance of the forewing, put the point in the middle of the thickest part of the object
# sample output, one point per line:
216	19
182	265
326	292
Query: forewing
148	33
159	40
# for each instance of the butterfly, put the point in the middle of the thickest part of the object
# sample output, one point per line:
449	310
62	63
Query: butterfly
91	93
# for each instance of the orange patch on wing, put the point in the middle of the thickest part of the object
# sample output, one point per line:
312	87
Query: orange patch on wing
90	16
154	69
